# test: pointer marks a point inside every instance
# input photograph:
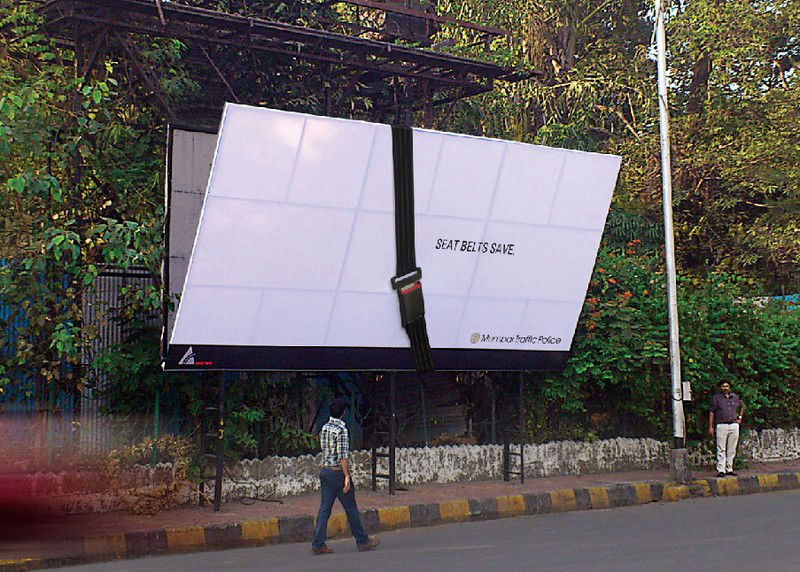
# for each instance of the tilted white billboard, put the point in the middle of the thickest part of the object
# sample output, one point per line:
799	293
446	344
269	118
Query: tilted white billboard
295	248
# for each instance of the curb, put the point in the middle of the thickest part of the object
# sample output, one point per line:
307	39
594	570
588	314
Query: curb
301	528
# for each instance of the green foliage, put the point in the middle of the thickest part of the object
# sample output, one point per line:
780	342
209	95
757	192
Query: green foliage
623	227
735	108
79	179
736	154
268	414
617	379
735	179
135	371
590	60
179	451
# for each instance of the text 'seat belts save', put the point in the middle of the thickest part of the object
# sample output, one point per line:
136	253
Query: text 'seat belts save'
407	281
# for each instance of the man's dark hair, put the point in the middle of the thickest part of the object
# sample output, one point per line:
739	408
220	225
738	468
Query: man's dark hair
338	407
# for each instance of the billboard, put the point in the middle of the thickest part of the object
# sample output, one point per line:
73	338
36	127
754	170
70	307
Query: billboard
295	247
189	156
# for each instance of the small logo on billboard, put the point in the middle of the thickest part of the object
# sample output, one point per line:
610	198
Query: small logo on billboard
515	339
188	357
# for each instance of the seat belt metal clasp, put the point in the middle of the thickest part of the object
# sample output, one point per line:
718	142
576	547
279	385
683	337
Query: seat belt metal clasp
409	292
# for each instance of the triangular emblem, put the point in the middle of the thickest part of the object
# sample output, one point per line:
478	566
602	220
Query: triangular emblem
188	357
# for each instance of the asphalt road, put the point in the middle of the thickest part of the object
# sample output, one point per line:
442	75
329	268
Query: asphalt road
758	532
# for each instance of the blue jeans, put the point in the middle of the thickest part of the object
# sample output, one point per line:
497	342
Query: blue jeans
332	484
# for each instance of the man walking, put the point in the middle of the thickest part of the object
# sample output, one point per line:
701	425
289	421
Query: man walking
724	418
335	482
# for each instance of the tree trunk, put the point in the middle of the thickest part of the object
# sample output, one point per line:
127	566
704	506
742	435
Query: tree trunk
698	88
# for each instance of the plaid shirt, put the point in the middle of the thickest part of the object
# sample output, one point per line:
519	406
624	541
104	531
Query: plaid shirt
335	442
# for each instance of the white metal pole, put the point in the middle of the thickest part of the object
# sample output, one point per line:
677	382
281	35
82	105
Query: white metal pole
666	179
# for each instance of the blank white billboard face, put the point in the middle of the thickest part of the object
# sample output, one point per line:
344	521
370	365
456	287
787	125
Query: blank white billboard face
296	246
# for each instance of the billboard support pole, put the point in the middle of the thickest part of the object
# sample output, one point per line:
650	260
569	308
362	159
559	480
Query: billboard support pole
493	421
506	423
201	501
220	444
374	439
521	428
392	431
679	459
505	430
390	435
424	407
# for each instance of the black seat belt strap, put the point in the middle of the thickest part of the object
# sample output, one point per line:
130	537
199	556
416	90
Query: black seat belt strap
408	277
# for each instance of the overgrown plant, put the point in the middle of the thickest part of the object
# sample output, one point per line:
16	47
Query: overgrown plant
617	379
152	498
79	173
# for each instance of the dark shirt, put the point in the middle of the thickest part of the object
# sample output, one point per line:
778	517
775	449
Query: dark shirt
725	409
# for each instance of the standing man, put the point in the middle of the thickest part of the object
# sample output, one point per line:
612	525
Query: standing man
336	483
724	417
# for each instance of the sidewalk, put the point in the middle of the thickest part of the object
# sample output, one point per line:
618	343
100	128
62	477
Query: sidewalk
80	538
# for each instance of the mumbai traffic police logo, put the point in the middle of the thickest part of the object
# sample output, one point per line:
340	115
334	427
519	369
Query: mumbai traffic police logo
475	338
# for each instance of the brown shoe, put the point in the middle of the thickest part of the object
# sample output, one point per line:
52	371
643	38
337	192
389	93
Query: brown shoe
370	544
321	550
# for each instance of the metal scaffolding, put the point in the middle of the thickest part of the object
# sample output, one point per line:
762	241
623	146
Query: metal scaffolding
367	61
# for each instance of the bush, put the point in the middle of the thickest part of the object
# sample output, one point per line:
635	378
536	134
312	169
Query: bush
156	497
617	381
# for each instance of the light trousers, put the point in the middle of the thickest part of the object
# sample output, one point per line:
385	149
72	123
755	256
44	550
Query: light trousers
727	439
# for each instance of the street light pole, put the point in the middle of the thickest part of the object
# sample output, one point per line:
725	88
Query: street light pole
679	458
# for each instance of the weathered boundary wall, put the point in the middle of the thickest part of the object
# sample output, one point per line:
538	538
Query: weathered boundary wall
767	445
449	464
284	476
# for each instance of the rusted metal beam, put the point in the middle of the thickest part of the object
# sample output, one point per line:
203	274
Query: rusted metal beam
161	13
141	70
418	104
220	74
399	9
98	48
391	66
177	14
435	77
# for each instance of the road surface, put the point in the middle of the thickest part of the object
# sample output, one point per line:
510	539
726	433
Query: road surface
758	532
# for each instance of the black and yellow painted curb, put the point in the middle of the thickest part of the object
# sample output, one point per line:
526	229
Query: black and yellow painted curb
301	528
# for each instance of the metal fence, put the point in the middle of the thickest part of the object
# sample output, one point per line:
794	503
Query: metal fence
32	403
103	307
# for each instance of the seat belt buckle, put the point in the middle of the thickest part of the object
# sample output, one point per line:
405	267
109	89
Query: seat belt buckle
409	292
399	282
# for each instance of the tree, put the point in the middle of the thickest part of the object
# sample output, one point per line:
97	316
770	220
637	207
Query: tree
79	179
591	71
736	154
734	107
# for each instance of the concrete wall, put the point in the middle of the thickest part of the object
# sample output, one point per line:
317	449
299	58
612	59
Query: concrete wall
284	476
768	445
448	464
771	445
77	492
